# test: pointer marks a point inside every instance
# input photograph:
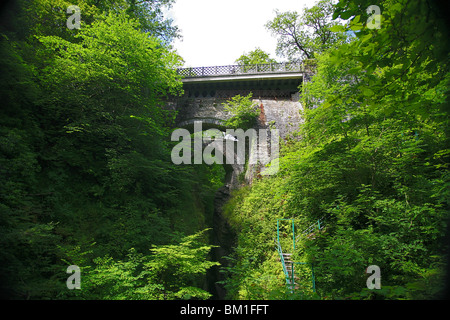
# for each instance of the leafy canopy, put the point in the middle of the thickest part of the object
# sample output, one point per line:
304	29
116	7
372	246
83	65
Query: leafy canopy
257	56
243	110
372	161
306	34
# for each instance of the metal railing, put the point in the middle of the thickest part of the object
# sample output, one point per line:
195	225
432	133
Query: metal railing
290	276
319	225
234	70
290	281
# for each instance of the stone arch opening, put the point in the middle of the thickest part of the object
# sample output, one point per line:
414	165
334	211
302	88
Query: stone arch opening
218	145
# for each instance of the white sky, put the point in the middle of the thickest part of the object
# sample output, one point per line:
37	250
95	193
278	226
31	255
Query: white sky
217	32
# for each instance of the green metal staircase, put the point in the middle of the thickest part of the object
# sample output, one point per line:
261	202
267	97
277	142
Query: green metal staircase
286	257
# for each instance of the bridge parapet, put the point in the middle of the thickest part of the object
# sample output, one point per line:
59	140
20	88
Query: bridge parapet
239	70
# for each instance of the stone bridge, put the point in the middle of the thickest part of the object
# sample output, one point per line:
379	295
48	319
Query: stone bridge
275	89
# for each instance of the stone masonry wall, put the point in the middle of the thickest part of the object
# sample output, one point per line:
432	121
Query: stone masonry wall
281	114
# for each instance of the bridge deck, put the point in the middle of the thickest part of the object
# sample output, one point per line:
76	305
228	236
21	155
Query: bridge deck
242	72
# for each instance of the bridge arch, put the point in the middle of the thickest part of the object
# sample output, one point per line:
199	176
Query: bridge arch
207	123
215	145
275	89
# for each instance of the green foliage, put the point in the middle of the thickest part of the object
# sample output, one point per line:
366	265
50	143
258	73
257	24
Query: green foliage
169	272
85	169
257	56
49	17
243	110
86	176
372	162
307	34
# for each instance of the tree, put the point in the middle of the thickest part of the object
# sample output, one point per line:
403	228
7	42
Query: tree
85	168
171	272
256	56
151	18
243	110
376	112
49	17
307	34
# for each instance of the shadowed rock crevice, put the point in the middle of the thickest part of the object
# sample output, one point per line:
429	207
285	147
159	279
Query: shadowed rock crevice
225	239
